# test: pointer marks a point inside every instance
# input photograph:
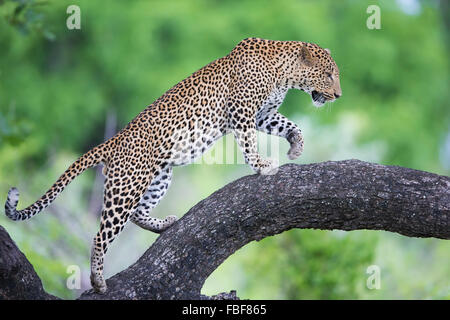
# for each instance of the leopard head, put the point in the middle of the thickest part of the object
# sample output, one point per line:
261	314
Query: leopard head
317	74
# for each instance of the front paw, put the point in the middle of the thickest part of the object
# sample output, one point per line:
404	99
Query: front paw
168	222
268	167
296	141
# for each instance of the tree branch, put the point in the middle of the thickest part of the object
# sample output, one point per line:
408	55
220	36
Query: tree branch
345	195
18	280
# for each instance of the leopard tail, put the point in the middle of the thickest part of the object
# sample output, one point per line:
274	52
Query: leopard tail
89	159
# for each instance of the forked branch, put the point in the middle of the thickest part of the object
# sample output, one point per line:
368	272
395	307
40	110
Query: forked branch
346	195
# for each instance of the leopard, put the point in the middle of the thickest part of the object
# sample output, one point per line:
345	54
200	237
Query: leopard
239	93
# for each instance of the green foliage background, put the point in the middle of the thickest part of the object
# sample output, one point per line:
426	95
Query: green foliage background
57	87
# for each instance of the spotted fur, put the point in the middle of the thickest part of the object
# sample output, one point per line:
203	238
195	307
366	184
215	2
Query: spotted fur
239	93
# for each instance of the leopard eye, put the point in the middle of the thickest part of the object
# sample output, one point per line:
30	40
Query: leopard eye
329	75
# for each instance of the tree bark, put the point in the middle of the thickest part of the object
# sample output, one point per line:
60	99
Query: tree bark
346	195
18	280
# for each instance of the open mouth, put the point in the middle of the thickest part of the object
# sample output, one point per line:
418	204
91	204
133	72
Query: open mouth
318	98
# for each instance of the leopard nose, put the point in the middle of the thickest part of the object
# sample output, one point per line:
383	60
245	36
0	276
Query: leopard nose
337	95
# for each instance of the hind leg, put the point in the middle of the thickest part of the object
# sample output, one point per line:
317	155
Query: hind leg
121	198
151	198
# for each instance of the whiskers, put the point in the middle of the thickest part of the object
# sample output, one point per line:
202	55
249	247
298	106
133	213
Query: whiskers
328	106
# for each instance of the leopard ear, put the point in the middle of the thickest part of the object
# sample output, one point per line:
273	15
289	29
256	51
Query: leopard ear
328	50
306	57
